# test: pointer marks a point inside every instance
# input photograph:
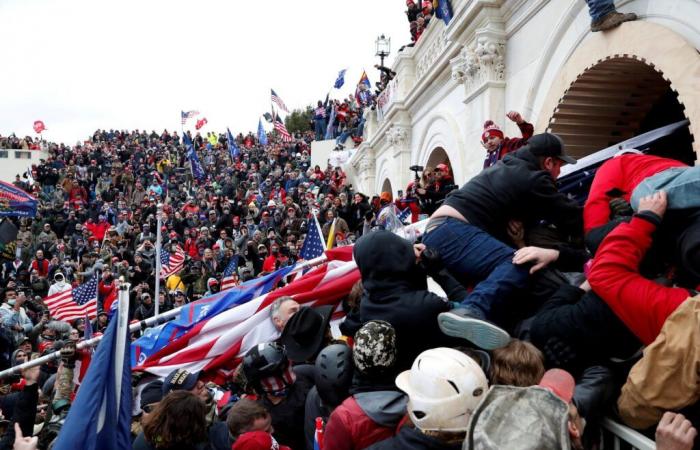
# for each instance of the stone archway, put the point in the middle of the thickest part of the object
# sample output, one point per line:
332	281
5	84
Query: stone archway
614	100
636	46
438	156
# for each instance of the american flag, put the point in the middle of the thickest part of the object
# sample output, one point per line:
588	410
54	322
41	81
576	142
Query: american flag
282	130
217	344
278	101
313	244
171	263
184	115
74	303
227	281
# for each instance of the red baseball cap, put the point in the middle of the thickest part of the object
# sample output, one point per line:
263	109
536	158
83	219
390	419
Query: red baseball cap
257	440
560	382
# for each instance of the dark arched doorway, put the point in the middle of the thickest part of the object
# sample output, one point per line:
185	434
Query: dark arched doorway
386	186
438	156
616	99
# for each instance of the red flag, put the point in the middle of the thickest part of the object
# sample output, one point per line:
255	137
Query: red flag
201	122
39	126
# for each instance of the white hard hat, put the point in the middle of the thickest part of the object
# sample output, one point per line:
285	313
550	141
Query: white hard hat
444	387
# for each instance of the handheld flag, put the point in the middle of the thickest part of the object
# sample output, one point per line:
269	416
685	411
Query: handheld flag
278	101
171	263
184	115
228	281
195	165
282	130
313	244
74	303
232	147
262	136
268	117
331	235
362	92
200	123
318	434
193	316
340	81
444	11
100	417
39	126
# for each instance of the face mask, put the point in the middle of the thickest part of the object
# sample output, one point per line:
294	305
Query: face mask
278	386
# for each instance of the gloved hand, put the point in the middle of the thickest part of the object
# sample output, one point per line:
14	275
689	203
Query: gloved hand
431	261
68	355
619	207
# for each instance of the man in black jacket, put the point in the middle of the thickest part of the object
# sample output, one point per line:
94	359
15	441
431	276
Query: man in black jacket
395	290
471	226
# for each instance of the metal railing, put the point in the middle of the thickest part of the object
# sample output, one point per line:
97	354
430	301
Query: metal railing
616	436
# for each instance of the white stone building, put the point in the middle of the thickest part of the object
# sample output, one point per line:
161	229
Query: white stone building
538	57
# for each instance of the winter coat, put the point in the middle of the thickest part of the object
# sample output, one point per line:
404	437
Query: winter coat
395	290
413	439
586	324
623	174
515	187
643	305
364	419
509	145
666	319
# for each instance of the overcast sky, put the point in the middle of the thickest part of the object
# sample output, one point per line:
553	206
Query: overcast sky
80	65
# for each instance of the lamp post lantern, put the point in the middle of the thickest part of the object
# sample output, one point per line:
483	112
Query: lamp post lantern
383	45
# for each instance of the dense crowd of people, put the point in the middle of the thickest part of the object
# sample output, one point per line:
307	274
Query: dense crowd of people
550	315
547	305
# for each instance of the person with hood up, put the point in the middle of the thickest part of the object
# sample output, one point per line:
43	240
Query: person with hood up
395	291
59	284
375	406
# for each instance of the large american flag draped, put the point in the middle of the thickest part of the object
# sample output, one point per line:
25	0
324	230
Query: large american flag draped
278	101
227	281
171	263
184	115
282	130
217	344
313	243
74	303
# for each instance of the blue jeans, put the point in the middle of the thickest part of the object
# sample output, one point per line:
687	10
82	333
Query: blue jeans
320	128
681	184
467	250
600	8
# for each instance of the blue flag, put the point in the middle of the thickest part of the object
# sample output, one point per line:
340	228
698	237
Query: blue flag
232	147
340	81
193	313
15	202
196	166
100	417
262	136
444	11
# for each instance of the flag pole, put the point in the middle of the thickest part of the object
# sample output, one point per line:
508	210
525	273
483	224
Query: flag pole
159	244
134	327
122	338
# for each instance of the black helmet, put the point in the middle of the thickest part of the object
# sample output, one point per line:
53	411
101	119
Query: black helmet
264	360
334	370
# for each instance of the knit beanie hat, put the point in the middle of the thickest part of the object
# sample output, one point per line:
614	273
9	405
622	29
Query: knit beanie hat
491	129
375	348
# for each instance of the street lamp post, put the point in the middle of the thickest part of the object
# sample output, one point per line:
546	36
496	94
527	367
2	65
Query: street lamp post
383	47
